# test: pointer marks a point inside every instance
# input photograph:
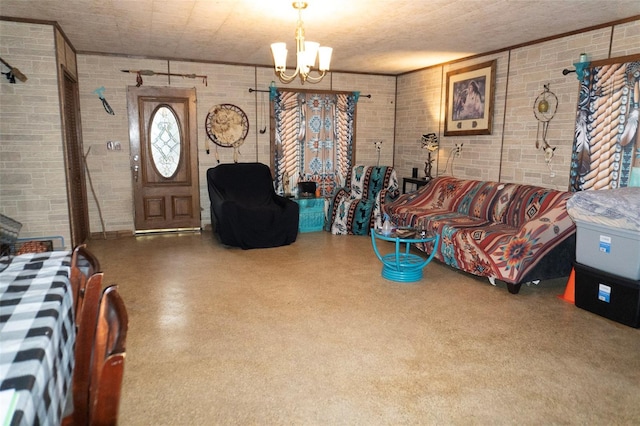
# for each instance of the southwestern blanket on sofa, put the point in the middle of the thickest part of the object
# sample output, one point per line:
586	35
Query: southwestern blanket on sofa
491	229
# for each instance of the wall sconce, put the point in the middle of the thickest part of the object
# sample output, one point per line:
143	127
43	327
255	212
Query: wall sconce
378	145
580	66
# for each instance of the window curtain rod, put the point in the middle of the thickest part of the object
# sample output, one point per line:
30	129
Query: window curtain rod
251	90
140	73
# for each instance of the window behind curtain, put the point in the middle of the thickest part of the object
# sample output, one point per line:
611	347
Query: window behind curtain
314	138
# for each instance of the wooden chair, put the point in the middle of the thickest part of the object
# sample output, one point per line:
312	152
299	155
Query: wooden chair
83	265
87	322
97	379
108	359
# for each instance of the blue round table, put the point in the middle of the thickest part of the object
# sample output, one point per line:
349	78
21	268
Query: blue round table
401	265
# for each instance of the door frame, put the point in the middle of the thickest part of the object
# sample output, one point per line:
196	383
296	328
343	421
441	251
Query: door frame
135	114
74	158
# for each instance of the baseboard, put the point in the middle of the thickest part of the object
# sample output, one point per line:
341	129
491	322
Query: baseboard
111	235
114	235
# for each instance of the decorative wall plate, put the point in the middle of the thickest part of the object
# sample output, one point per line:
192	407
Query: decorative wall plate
227	125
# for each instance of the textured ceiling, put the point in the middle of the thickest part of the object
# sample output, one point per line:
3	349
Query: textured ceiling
373	36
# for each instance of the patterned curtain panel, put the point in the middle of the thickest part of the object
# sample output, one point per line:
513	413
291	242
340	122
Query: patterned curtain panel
314	135
606	148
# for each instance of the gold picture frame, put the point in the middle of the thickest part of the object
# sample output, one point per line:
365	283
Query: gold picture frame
469	101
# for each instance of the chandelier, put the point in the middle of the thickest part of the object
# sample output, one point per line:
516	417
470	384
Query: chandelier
307	52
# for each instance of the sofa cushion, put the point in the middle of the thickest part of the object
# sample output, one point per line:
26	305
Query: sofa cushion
466	248
442	193
464	237
479	199
502	201
528	202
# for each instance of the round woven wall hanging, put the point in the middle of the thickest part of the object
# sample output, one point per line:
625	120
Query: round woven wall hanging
227	126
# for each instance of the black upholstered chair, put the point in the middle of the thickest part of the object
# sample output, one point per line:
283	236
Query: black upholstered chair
246	212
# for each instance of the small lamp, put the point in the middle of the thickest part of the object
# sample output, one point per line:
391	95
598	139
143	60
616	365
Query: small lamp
430	143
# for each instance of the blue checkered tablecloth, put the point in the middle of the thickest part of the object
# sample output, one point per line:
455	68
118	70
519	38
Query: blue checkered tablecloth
37	335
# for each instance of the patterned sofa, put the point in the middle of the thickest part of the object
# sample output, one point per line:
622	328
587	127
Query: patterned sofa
510	232
357	207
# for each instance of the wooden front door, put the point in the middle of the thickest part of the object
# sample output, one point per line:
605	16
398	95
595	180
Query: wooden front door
164	158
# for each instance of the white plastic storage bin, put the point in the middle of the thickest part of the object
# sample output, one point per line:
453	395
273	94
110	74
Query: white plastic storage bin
608	230
616	251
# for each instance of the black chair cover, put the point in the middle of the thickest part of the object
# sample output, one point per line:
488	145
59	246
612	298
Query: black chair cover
246	212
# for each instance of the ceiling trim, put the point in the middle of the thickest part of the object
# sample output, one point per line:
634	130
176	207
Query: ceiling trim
529	43
466	58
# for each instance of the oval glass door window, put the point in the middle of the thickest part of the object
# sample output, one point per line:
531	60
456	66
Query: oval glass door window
165	141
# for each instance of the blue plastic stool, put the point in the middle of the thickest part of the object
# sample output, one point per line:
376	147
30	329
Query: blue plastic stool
403	266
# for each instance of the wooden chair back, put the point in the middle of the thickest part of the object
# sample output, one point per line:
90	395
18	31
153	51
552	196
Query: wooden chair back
83	265
87	320
109	352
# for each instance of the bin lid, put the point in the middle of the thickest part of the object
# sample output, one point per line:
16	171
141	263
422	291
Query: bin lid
616	208
9	230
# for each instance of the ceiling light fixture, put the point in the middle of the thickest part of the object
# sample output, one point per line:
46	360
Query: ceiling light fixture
307	52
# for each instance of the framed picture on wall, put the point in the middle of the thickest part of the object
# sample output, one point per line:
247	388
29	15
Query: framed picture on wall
470	92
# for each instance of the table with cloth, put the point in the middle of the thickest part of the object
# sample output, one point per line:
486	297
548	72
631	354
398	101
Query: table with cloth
37	337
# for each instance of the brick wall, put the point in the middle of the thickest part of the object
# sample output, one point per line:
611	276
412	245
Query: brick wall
509	153
32	169
400	110
110	170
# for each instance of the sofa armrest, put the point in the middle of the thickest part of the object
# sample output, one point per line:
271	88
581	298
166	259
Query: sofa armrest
517	255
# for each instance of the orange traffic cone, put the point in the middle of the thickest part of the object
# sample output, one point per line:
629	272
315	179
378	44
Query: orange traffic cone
570	291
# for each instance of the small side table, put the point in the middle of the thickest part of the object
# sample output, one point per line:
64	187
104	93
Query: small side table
418	182
311	214
401	265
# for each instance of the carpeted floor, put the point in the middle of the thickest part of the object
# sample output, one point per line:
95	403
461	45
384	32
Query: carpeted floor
311	334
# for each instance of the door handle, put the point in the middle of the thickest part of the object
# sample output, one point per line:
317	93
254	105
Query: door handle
135	167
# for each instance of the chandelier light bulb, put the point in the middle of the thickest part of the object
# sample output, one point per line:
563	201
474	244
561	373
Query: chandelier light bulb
307	54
